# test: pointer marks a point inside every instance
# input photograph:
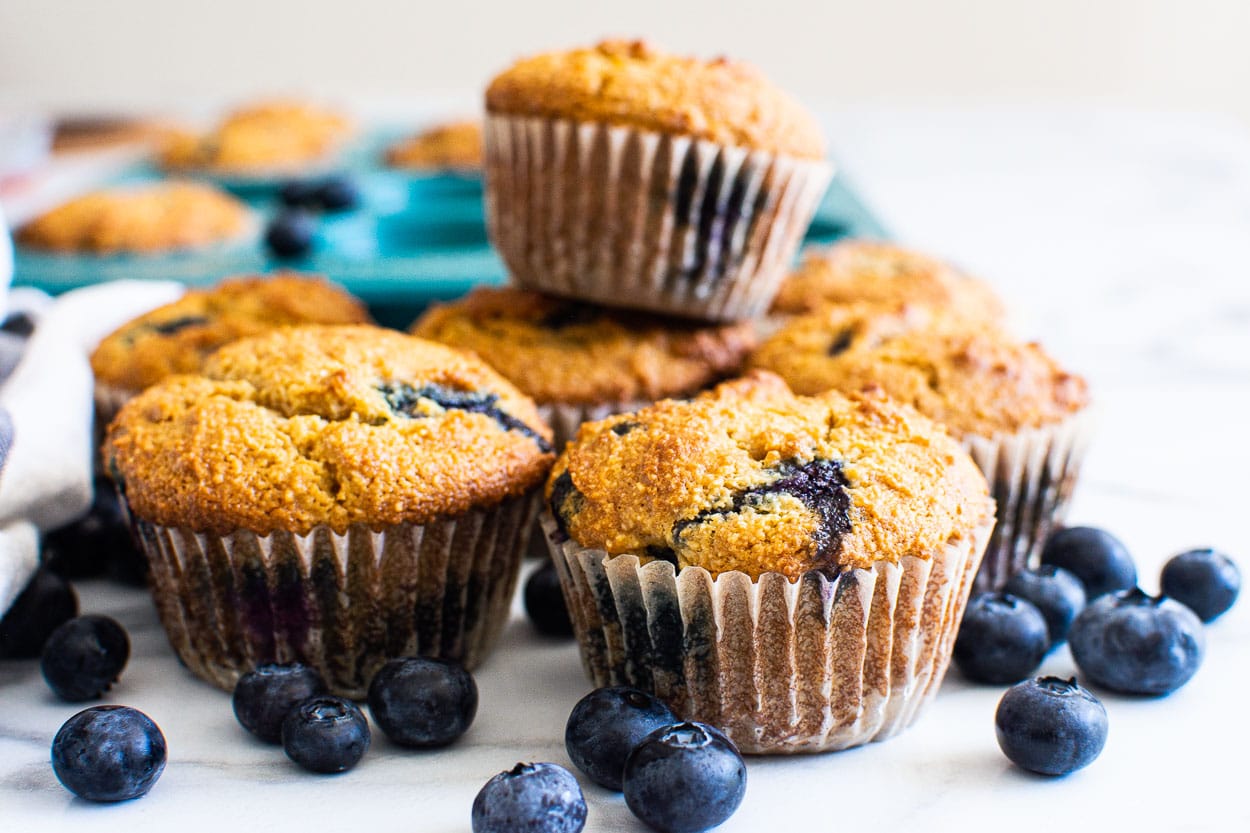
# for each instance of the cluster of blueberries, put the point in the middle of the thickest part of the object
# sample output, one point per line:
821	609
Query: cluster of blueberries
1122	639
292	231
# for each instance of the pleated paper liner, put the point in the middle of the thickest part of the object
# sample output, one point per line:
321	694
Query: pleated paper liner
812	665
1031	474
638	219
343	604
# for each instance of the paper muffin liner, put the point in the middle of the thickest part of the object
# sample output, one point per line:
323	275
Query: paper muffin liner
781	666
343	604
639	219
1031	474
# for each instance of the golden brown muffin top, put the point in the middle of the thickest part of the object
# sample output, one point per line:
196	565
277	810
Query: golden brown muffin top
267	135
632	84
160	217
973	380
456	146
320	425
864	270
750	477
557	350
179	336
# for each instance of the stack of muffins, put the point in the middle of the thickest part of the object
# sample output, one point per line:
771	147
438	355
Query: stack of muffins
789	563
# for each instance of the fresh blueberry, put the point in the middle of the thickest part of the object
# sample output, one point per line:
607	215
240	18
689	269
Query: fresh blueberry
1137	644
1050	726
108	753
265	695
1206	581
46	602
544	602
606	725
97	543
325	734
684	778
423	702
530	798
336	193
299	193
84	657
1002	639
1057	593
291	233
1098	558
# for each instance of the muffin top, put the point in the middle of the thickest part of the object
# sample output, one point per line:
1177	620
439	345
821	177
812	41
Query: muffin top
557	350
973	380
321	425
634	85
271	134
179	336
750	477
159	217
455	146
864	270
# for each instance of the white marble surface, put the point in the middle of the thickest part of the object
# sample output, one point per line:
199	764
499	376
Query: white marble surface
1124	242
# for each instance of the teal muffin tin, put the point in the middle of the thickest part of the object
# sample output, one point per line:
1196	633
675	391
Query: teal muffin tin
415	239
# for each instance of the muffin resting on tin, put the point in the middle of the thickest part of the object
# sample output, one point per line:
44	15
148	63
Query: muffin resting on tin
751	540
580	361
455	146
333	495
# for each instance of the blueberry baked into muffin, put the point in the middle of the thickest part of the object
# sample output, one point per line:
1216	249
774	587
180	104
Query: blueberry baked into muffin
336	496
179	336
630	177
451	147
1025	420
581	362
147	219
790	569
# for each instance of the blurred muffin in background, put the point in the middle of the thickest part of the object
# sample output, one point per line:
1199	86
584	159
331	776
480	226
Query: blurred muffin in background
454	146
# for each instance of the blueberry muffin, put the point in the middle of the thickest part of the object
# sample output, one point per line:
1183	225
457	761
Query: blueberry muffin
791	569
456	146
1023	417
626	176
582	362
336	496
267	138
179	336
866	271
148	219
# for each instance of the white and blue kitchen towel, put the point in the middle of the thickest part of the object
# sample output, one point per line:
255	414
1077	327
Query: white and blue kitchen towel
46	406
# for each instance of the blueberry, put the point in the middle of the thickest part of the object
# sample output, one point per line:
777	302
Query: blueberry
1002	639
84	657
606	725
423	702
46	602
1205	581
97	543
336	193
1098	558
684	778
265	695
291	233
1054	591
299	193
108	753
1050	726
544	602
1137	644
325	734
530	798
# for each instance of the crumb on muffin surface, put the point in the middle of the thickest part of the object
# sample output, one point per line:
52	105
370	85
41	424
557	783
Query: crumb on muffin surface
322	425
634	84
557	350
750	477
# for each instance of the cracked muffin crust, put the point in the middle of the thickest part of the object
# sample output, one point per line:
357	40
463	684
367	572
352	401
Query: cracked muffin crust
750	477
160	217
867	271
557	350
179	336
320	425
456	146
